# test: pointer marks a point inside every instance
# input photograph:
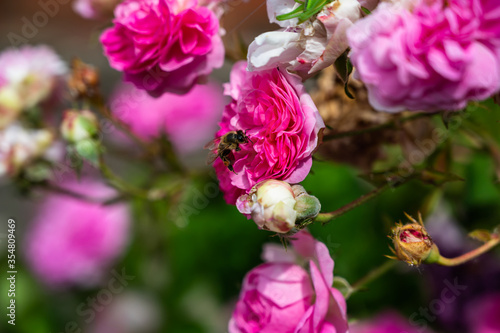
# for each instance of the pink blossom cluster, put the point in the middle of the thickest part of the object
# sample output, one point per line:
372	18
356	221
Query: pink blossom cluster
282	123
282	296
188	120
163	45
428	55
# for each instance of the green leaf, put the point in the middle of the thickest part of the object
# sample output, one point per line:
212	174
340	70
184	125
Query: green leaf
90	150
293	14
480	235
343	286
366	10
344	68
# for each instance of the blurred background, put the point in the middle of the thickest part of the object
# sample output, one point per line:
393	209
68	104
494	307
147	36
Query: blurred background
185	265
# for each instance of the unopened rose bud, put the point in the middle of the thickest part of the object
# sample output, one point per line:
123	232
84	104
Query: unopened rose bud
10	105
307	206
79	125
276	206
84	80
412	243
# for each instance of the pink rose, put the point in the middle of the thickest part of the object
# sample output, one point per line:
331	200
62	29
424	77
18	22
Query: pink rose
163	45
428	55
73	241
484	314
387	322
281	296
280	119
188	120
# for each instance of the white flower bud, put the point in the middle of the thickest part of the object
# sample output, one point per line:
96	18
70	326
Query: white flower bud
276	206
79	125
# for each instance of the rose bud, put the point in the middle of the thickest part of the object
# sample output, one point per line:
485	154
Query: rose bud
412	243
79	125
83	81
276	206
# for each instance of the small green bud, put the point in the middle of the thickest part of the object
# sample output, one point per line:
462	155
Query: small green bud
79	125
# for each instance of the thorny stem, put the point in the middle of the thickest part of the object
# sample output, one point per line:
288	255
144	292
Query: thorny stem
372	275
390	124
494	241
324	218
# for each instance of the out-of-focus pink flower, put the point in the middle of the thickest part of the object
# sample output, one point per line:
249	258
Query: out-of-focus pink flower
94	9
73	242
20	146
387	322
281	296
188	120
32	72
281	120
484	314
306	48
163	45
428	55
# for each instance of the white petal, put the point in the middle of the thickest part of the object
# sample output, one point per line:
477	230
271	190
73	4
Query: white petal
273	48
280	7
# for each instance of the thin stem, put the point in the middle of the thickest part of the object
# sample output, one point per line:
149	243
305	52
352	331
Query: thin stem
327	217
372	275
119	183
117	122
390	124
494	241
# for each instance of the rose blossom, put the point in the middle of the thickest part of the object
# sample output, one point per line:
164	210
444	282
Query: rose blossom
428	55
163	45
281	296
34	73
72	241
282	122
19	146
188	120
304	48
